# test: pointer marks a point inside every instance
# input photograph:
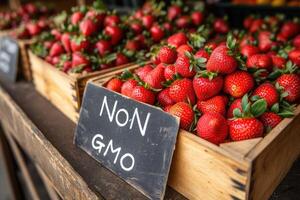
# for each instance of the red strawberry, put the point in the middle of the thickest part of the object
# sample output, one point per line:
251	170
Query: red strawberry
270	120
247	40
221	62
56	33
177	39
238	83
216	104
290	84
267	92
256	25
98	17
183	21
168	27
121	59
33	28
143	71
184	112
128	86
157	33
78	59
56	49
111	20
136	27
197	18
66	42
290	29
260	61
115	33
221	26
167	108
212	127
184	48
79	44
76	17
142	94
155	78
278	61
164	98
133	45
114	84
182	66
148	21
249	50
173	12
294	56
296	42
67	66
237	103
247	22
167	55
245	128
264	41
206	88
182	90
103	47
169	72
87	27
202	53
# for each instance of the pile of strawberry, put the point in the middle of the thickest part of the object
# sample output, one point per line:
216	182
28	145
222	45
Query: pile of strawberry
223	90
30	20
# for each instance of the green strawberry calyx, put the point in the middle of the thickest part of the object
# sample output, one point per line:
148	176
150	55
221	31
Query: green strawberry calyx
250	109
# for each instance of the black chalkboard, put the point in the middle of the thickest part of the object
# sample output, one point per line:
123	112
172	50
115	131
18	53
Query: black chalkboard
134	140
9	55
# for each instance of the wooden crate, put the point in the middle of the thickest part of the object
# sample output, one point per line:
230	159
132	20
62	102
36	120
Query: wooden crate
249	169
63	90
24	63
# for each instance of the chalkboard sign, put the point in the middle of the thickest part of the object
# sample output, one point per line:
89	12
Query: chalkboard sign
134	140
9	55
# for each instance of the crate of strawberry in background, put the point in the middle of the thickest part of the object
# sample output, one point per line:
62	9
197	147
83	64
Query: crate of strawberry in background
93	41
236	98
24	24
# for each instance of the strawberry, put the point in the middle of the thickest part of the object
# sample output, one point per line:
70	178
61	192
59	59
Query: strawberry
155	78
133	45
184	112
294	56
97	16
177	39
167	108
111	20
267	92
182	91
128	86
289	29
237	103
114	84
142	94
256	25
33	28
245	128
202	53
56	49
76	18
270	120
157	33
184	48
115	33
247	22
143	71
291	85
103	47
206	87
221	26
197	18
87	27
183	21
217	104
121	59
296	42
238	83
264	41
78	59
66	41
169	72
164	98
167	55
148	21
184	66
212	127
173	12
247	40
67	66
56	33
79	44
221	62
278	61
249	50
168	27
260	61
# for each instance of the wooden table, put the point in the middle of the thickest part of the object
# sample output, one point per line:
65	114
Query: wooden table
46	136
